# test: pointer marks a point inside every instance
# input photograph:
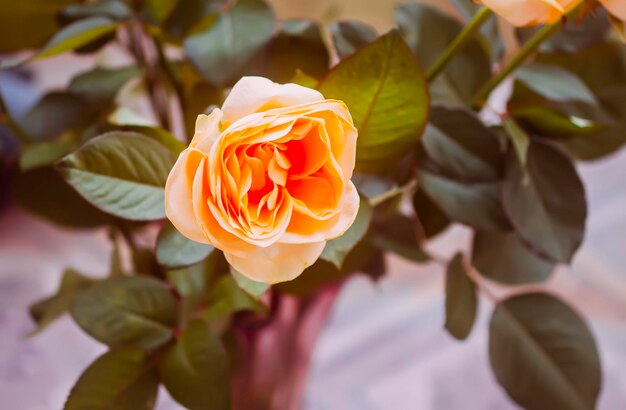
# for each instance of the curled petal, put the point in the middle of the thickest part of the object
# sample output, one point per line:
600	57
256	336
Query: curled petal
207	131
530	12
305	227
279	262
258	94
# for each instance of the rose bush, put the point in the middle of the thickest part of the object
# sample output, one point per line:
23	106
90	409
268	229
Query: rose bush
266	179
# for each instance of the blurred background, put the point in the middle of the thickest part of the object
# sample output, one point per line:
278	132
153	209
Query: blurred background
384	347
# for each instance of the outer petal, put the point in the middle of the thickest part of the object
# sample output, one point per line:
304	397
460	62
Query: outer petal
324	230
207	131
616	7
179	193
279	262
527	12
257	94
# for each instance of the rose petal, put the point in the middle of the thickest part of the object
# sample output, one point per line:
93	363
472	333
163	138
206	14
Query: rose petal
256	94
304	227
178	195
616	7
279	262
529	12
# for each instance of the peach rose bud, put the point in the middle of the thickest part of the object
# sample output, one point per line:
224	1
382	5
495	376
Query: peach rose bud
266	179
523	13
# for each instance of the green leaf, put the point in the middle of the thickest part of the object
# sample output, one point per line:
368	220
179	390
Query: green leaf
123	379
127	311
113	9
555	83
545	202
387	95
174	250
159	10
122	173
298	46
503	257
337	249
431	218
543	354
50	309
429	31
195	370
595	145
188	13
398	234
43	154
519	138
226	298
475	204
461	299
100	85
233	36
28	23
77	35
253	288
51	190
53	114
350	35
459	143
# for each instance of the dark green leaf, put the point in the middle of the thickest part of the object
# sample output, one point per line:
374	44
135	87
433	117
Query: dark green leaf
76	35
233	36
158	134
431	218
298	46
386	93
555	83
189	12
227	297
100	85
41	190
574	36
55	113
159	10
461	299
174	250
503	257
28	23
546	202
114	9
518	137
459	143
337	249
475	204
128	311
398	234
50	309
595	145
428	32
122	173
543	354
350	35
253	288
45	153
195	370
121	379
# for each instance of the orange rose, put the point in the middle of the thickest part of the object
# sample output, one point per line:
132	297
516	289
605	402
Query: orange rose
266	179
616	8
531	12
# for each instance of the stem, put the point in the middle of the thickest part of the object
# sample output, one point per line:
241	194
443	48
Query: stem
530	47
459	42
168	70
150	76
379	199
